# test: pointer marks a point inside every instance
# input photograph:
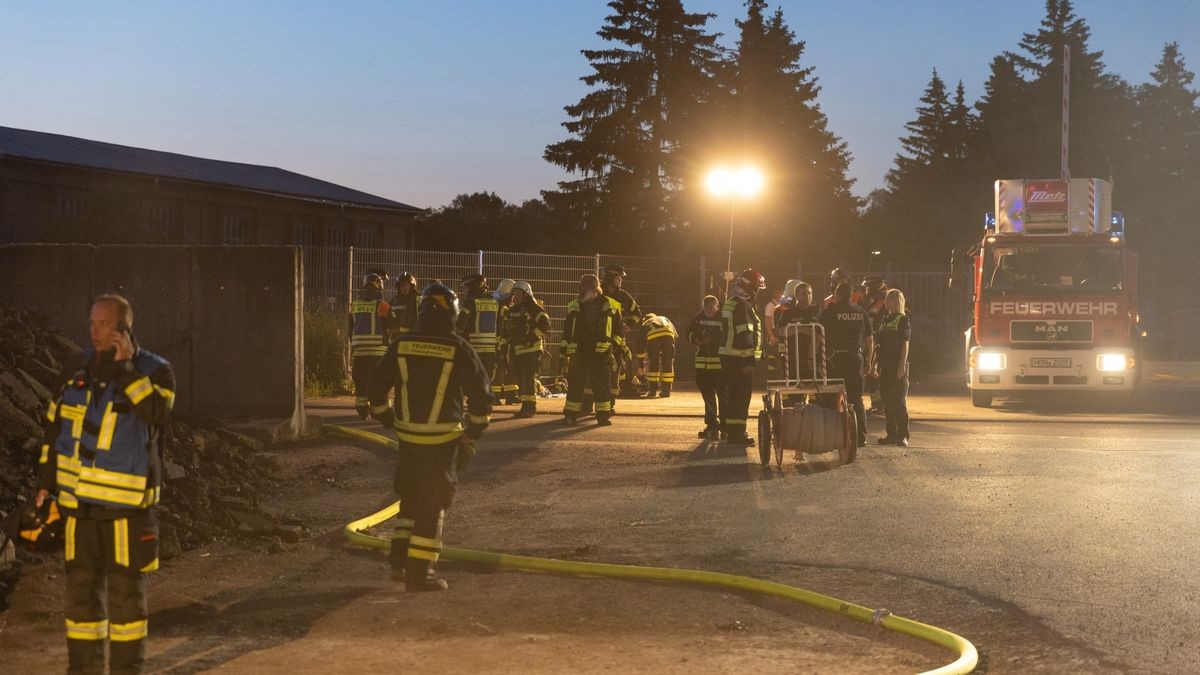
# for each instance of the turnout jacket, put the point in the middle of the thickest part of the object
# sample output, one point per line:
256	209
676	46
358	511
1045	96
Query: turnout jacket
402	313
704	333
479	322
591	326
103	432
369	320
525	327
660	327
741	330
431	374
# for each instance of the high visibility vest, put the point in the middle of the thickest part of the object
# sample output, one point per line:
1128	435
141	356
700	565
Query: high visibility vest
366	333
483	330
103	447
702	327
659	327
741	330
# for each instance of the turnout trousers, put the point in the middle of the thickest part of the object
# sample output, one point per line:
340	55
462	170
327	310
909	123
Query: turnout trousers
527	372
894	391
737	377
661	371
107	559
848	367
360	372
713	393
488	359
589	374
426	483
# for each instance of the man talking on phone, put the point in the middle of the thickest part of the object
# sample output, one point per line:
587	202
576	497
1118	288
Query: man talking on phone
101	460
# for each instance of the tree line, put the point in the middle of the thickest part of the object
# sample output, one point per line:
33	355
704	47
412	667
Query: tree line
666	100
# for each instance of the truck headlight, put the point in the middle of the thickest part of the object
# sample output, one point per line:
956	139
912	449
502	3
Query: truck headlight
1112	362
990	361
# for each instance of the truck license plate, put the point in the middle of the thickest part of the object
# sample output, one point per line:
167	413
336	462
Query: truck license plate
1050	363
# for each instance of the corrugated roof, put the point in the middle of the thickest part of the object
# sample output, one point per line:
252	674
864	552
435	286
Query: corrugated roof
45	147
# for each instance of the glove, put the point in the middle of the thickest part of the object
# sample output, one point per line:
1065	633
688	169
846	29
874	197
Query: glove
465	453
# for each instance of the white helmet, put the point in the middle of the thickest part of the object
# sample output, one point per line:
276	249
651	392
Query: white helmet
789	289
503	289
524	286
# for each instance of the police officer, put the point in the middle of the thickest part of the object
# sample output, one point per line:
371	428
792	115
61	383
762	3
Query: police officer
660	349
403	305
741	347
431	369
479	322
848	334
101	454
704	333
798	357
369	319
631	314
504	386
592	320
525	329
893	335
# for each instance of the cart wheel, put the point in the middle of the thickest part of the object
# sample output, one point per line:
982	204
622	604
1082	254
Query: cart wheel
777	438
764	437
850	445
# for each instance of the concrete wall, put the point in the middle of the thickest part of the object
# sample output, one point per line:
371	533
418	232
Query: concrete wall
229	319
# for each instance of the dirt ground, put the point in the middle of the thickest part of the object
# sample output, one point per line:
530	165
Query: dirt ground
319	606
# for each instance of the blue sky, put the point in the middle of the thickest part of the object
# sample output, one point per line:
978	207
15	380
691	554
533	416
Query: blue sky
419	101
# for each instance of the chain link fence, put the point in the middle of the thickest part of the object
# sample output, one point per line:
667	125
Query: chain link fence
672	287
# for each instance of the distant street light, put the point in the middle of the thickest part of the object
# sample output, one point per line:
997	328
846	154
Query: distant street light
745	182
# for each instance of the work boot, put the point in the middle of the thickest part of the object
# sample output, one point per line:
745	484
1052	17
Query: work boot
743	439
528	409
419	577
666	391
571	420
903	442
604	420
886	440
652	391
363	412
710	433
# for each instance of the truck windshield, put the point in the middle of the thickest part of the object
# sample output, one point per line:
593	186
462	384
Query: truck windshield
1053	267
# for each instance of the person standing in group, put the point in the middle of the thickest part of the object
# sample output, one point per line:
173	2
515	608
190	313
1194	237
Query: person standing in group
625	381
101	457
837	277
772	349
369	320
403	313
894	334
848	336
504	386
704	333
525	329
479	322
741	348
872	292
592	320
432	371
798	355
660	348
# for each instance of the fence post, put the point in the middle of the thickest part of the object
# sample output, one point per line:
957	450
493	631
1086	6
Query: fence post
481	261
596	266
349	275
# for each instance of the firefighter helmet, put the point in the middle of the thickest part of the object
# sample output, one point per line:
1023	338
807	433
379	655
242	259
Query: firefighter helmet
650	316
524	287
438	310
372	280
789	289
473	282
873	286
381	273
614	271
504	290
406	278
751	281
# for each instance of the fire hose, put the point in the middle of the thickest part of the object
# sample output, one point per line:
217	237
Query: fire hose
967	659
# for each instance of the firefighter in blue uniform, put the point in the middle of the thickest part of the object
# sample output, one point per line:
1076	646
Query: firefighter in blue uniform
431	370
525	327
479	323
741	348
101	455
593	319
704	333
369	321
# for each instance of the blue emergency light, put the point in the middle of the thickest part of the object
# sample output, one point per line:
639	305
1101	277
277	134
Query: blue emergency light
1118	223
989	221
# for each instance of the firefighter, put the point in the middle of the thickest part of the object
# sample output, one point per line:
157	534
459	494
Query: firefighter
741	347
624	382
431	370
704	333
369	318
403	317
660	346
479	323
587	350
101	455
505	385
849	338
838	276
798	356
525	329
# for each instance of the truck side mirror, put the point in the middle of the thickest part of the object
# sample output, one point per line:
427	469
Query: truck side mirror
955	280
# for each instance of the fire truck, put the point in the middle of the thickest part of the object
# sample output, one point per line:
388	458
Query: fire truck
1054	289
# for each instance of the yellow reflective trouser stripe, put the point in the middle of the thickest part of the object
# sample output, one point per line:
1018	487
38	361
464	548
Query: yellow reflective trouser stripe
427	427
730	351
69	543
666	377
368	351
87	630
139	389
440	394
121	541
379	409
573	406
129	632
730	420
424	548
404	389
652	377
404	528
151	566
605	406
107	427
429	439
528	398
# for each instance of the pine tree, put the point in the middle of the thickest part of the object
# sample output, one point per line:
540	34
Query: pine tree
926	147
999	126
632	134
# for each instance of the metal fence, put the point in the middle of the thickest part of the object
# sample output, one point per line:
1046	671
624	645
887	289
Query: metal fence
669	286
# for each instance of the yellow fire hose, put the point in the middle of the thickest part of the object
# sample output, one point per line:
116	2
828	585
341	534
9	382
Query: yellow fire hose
968	657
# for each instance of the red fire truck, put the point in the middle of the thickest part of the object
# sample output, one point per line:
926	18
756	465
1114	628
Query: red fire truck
1055	293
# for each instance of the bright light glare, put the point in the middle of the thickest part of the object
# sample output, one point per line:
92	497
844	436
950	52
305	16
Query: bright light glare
1111	362
744	182
990	361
